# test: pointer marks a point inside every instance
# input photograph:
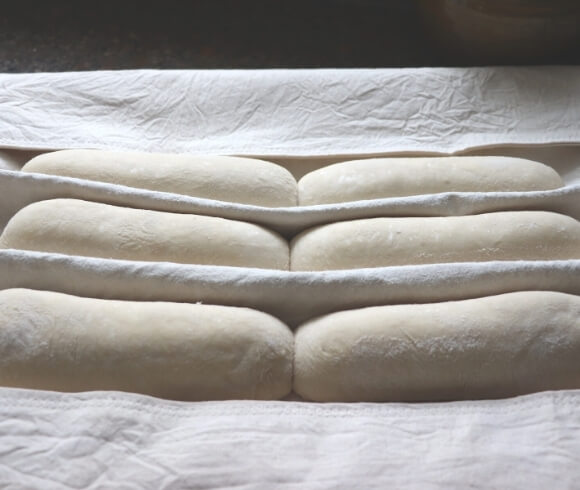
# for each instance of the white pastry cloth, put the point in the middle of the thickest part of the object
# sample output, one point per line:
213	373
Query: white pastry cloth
117	440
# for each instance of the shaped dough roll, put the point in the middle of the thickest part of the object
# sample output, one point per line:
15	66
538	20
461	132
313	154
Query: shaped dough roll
491	347
54	341
378	242
232	179
75	227
378	178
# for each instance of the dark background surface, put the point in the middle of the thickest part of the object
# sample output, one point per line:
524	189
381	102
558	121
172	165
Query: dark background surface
66	35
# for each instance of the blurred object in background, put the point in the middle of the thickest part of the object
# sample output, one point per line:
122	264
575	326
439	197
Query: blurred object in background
504	31
68	35
64	35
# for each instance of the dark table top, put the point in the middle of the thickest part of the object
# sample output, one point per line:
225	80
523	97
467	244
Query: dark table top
70	36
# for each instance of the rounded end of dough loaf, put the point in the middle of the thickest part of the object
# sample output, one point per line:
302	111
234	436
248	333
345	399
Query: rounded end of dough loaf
26	227
224	178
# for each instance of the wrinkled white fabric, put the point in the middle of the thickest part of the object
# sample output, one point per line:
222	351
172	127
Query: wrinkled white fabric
115	440
291	112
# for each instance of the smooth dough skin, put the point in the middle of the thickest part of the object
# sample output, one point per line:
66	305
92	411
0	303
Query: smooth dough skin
224	178
179	351
378	178
75	227
381	242
490	347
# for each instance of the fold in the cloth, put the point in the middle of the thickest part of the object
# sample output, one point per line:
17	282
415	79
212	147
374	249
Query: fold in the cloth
294	297
18	189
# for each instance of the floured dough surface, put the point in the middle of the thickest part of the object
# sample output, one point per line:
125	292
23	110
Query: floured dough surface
224	178
490	347
377	242
76	227
179	351
378	178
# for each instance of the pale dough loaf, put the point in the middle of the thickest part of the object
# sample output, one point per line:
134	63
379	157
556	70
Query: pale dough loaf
55	341
224	178
377	242
491	347
378	178
76	227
